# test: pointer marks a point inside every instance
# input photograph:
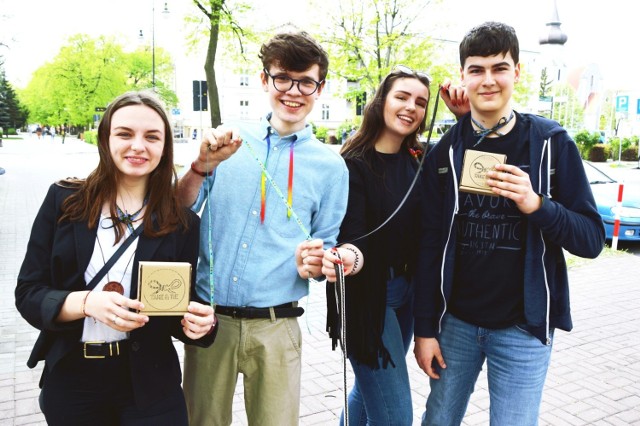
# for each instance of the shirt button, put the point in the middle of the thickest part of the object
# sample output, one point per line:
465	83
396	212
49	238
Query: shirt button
255	212
235	279
275	148
244	245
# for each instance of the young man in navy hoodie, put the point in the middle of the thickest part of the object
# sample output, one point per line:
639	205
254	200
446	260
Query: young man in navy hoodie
492	284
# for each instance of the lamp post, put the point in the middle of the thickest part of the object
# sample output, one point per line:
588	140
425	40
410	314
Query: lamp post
153	39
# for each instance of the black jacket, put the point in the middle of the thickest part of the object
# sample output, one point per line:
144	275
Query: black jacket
567	220
395	245
54	265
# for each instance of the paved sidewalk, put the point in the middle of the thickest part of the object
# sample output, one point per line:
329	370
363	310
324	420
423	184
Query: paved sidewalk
594	378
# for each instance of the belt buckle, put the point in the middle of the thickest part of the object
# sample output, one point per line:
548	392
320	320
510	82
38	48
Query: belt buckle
96	342
117	345
101	342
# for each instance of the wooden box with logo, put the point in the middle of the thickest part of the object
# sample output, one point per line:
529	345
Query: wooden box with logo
164	287
475	166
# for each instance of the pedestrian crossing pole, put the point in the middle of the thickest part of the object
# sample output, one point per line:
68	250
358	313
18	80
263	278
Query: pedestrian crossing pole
616	221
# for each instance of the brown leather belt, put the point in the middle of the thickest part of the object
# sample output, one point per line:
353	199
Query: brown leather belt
287	310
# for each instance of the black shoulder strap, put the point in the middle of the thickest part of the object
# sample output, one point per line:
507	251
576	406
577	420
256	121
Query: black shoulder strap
96	279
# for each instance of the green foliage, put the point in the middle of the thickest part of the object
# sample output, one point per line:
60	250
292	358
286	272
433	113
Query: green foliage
88	73
567	109
366	39
140	72
322	133
523	90
347	127
586	141
217	21
12	113
630	154
91	137
598	153
620	146
545	83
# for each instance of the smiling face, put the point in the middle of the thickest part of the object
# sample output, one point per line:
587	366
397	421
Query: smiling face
290	108
136	141
489	81
404	107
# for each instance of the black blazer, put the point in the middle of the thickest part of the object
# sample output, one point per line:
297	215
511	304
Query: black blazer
56	259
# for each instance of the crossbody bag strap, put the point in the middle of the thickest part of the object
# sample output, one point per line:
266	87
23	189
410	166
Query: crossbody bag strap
101	273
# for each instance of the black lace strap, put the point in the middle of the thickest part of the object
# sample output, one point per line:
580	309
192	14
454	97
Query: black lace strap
101	273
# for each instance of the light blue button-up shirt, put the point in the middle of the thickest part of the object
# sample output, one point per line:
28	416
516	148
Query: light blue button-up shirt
254	263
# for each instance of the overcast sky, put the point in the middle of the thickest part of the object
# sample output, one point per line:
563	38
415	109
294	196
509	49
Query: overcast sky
601	32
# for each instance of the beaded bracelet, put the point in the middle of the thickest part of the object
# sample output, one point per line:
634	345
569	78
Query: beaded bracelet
355	262
198	172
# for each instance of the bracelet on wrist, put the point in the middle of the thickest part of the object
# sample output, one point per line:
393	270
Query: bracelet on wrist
195	170
84	304
355	262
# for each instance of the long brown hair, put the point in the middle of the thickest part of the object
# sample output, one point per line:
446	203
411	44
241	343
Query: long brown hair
363	141
100	186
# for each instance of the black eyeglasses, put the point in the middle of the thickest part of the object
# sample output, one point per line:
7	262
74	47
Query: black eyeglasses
406	70
283	83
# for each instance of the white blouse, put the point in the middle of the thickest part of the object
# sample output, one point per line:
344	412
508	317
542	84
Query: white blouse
96	331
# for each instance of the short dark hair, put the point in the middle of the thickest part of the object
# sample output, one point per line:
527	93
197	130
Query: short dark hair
489	39
294	51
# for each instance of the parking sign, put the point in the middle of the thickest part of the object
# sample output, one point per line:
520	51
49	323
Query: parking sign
622	103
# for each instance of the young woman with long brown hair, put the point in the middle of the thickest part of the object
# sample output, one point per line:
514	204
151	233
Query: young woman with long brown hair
105	363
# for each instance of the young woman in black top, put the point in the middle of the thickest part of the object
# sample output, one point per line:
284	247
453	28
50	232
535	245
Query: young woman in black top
383	158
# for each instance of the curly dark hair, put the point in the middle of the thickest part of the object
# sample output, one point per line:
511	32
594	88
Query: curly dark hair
294	51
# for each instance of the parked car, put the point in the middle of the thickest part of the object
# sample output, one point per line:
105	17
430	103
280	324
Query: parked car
605	192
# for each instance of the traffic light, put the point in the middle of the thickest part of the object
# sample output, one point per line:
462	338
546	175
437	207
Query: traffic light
200	100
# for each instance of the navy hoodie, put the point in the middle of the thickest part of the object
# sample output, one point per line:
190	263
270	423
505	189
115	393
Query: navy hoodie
568	219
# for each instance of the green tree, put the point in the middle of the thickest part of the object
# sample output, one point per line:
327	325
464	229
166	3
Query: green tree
366	39
140	72
567	110
545	84
12	114
218	21
88	73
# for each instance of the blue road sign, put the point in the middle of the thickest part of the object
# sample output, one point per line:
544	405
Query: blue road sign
622	103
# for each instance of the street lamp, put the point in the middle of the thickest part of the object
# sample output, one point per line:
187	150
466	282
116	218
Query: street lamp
165	11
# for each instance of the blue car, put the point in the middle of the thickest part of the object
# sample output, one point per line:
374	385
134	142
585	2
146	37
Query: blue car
605	192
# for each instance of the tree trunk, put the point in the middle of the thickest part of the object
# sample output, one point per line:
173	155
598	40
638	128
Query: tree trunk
209	68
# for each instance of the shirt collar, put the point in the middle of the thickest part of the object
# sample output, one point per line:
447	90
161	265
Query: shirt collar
303	134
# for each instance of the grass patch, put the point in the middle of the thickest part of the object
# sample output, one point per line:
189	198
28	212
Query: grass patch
573	261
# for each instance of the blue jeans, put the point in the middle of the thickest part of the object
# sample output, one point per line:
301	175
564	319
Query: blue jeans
517	365
382	396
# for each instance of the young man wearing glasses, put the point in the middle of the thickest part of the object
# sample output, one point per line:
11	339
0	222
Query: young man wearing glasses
492	281
256	255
